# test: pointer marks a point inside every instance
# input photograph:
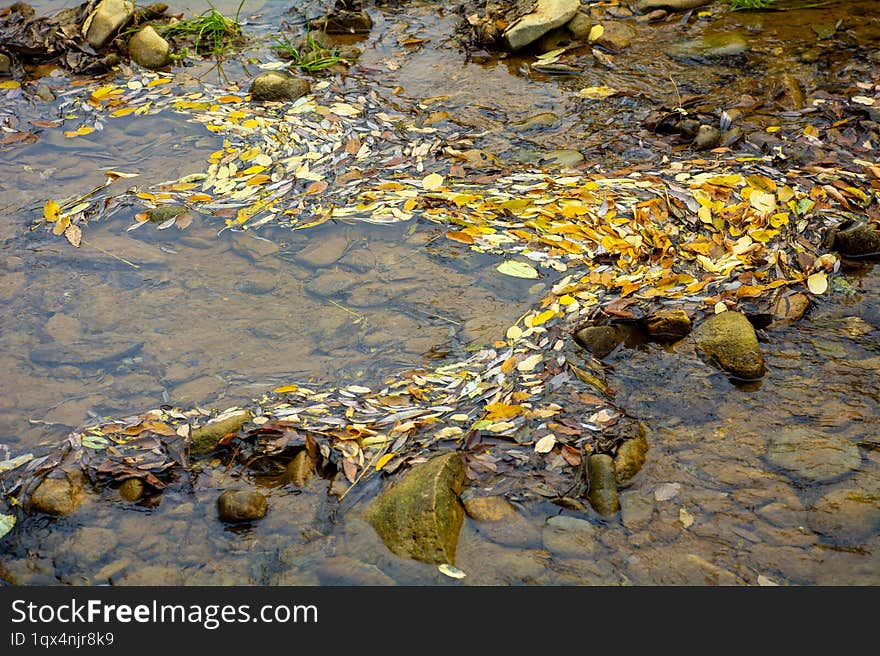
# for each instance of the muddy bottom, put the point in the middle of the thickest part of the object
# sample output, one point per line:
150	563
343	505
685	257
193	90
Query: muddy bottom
135	319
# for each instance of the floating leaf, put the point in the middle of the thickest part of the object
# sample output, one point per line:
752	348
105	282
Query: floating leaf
6	524
384	460
51	210
94	442
545	444
432	182
517	269
451	571
530	362
818	283
286	388
686	519
74	235
596	32
9	465
514	333
597	93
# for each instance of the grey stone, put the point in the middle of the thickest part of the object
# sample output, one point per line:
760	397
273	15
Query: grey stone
730	340
789	309
644	6
107	18
499	520
569	536
811	455
546	15
149	49
205	439
278	85
324	252
241	506
343	570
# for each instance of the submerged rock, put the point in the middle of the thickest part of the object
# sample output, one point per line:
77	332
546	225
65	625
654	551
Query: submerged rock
241	506
132	489
343	570
668	325
5	65
106	20
812	455
58	496
857	239
421	514
499	520
707	137
90	544
301	469
278	85
616	36
342	21
789	309
603	485
730	340
569	536
546	15
711	46
165	212
580	26
636	510
630	457
149	49
644	6
204	439
847	516
602	340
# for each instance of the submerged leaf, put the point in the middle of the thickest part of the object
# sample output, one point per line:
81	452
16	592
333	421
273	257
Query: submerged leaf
451	571
517	269
9	465
6	524
818	283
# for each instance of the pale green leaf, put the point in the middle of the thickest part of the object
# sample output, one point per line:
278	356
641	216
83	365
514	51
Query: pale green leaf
517	269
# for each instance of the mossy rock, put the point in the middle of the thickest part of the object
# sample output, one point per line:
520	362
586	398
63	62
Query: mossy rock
58	496
205	438
603	485
730	341
421	514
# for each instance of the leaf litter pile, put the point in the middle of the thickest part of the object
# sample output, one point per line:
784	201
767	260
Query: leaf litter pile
699	235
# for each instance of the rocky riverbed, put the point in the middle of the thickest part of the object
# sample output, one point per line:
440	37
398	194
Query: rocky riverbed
649	357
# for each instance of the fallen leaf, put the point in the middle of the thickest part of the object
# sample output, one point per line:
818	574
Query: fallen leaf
9	465
686	519
596	32
384	460
432	182
666	491
597	93
451	571
74	235
530	362
51	210
545	444
818	283
6	524
517	269
766	582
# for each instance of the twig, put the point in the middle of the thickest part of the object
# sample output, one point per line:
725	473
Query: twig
116	257
358	478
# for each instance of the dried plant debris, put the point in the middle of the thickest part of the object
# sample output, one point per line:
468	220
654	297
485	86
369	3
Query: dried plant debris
698	235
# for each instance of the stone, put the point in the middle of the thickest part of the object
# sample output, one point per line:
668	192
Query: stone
537	121
63	328
668	325
153	575
106	20
711	46
90	544
546	15
789	309
165	212
636	510
132	489
561	158
5	65
580	26
487	563
204	439
603	485
278	85
498	520
730	341
45	93
149	49
342	21
58	496
421	515
707	138
645	6
343	570
323	252
555	39
857	239
810	455
602	340
616	36
242	506
301	469
849	516
630	457
570	537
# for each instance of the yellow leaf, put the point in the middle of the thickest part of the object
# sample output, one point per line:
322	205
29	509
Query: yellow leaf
51	210
597	93
503	410
258	179
158	81
545	316
183	186
818	283
113	175
384	460
545	444
432	182
517	269
74	235
458	235
530	362
61	225
123	112
514	333
762	202
80	131
596	32
286	388
199	198
10	84
705	214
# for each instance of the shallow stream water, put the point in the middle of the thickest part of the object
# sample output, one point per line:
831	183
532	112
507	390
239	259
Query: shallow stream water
134	320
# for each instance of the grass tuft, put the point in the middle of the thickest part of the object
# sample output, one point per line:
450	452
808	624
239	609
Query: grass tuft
210	33
312	57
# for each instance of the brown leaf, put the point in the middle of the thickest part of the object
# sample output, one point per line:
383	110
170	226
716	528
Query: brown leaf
73	234
317	187
349	469
571	454
352	146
